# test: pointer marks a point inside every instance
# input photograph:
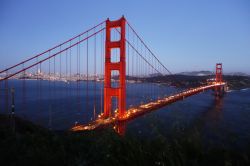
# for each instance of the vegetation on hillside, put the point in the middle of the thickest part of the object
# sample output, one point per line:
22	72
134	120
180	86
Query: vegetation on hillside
33	145
186	81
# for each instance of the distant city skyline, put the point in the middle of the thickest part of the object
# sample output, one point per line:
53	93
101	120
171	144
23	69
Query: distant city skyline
185	35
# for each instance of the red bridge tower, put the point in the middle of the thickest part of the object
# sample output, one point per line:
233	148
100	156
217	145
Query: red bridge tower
218	79
120	66
218	74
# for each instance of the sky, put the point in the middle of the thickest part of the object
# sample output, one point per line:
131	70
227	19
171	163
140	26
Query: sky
186	35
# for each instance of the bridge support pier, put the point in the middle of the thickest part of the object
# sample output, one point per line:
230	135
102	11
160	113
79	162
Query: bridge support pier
120	128
219	91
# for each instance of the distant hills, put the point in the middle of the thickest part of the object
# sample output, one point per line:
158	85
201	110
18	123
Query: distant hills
237	74
196	73
207	73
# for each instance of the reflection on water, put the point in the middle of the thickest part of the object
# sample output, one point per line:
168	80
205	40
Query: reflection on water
215	121
213	113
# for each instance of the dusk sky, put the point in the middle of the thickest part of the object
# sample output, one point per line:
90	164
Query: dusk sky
185	35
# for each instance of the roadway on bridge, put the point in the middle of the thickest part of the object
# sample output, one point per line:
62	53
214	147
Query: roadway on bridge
145	108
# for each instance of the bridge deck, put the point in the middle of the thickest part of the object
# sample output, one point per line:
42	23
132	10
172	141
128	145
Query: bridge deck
148	107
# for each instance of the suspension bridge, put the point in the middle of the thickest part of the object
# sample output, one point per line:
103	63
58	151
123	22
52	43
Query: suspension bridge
103	76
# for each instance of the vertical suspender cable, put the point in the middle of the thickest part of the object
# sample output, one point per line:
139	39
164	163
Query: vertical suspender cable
50	116
102	70
40	87
6	93
54	84
78	80
94	76
128	51
24	89
79	75
87	73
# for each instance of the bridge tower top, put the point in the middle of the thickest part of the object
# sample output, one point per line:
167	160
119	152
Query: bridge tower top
218	73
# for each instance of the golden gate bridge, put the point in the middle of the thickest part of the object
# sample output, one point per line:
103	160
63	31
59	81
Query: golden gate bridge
106	58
